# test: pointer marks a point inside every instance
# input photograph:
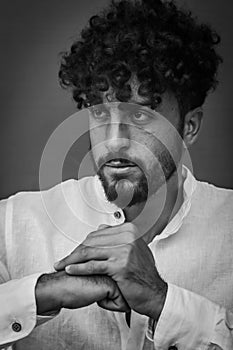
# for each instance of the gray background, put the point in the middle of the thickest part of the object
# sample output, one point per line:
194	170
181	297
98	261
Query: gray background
33	104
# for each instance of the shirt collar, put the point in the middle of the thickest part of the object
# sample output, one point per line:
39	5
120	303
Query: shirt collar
189	186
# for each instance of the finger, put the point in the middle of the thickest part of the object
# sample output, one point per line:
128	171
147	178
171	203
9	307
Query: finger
103	226
82	254
114	305
110	236
89	268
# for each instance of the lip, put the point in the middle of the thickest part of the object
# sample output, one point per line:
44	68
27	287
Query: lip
122	169
119	164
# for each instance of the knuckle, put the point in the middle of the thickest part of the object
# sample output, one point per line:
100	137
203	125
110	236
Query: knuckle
125	253
126	250
67	259
130	226
84	252
131	231
123	269
90	267
102	268
89	236
132	237
92	233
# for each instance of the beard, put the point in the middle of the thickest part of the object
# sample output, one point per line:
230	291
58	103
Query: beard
138	188
126	190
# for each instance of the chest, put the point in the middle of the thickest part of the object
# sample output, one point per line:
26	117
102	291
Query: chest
198	258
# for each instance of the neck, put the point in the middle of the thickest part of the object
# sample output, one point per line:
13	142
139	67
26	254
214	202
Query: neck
152	216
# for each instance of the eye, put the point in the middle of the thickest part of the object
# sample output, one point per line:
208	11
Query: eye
99	114
140	117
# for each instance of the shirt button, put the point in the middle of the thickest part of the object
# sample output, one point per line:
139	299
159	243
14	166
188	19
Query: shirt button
16	327
117	214
172	347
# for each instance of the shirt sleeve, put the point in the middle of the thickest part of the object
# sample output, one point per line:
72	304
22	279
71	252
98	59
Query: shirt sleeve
17	298
189	321
18	308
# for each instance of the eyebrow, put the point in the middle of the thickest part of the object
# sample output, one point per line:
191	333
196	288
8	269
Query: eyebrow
132	105
129	107
146	103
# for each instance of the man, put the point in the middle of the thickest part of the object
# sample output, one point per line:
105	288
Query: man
155	250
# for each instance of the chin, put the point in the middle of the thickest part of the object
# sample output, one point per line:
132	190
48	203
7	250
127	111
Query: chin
138	191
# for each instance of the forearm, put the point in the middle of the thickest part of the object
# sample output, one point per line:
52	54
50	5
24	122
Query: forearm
48	292
60	290
157	301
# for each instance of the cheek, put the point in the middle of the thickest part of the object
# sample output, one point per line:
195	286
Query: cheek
144	145
96	136
152	149
174	145
97	143
145	149
168	139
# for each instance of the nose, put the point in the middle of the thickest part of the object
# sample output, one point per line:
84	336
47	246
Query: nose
117	138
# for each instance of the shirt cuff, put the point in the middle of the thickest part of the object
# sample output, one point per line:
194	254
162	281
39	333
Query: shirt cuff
188	321
18	308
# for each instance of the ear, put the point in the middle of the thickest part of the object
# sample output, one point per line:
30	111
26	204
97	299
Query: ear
192	125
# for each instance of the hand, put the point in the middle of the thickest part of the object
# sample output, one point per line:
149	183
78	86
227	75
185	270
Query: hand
57	290
107	251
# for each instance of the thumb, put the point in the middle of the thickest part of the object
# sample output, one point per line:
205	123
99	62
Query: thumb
118	304
115	300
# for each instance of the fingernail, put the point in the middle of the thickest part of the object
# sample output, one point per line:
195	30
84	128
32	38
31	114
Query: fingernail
68	268
102	226
56	264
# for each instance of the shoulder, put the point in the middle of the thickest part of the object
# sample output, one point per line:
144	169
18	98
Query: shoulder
209	190
213	200
56	196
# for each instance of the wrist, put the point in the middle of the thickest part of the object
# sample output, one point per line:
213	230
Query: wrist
48	293
157	301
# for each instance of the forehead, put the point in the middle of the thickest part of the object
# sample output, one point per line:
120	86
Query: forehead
110	94
169	103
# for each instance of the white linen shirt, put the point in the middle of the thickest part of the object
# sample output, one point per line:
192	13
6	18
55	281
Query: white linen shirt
193	254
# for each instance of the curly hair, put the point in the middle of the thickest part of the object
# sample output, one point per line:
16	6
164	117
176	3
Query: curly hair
163	46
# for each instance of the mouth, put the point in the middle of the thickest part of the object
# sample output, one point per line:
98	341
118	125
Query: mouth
119	163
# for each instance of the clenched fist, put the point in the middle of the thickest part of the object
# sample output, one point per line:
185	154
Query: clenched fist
59	290
107	251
